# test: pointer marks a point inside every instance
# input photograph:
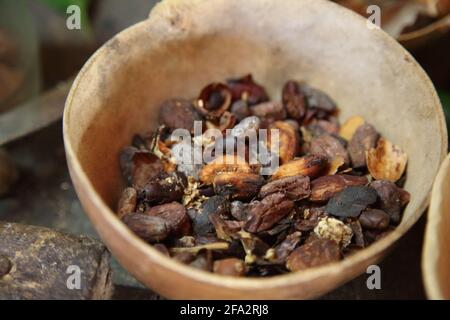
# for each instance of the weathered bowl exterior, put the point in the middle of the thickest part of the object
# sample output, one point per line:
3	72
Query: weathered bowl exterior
187	44
436	256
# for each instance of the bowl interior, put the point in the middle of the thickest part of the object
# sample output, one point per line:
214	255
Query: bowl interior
184	46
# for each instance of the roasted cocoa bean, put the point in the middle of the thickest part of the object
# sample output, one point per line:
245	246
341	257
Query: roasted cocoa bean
392	199
329	147
149	228
374	219
175	215
295	187
311	166
164	189
294	100
227	163
216	204
139	167
288	140
230	267
247	89
238	185
178	114
268	212
214	100
317	99
313	254
324	188
269	110
225	229
364	138
239	210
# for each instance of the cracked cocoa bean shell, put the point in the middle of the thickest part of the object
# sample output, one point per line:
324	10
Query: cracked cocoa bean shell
214	100
364	139
268	212
164	189
238	185
351	201
295	188
324	188
175	216
178	114
201	222
150	228
315	253
247	89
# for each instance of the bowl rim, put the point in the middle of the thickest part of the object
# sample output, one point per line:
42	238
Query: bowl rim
431	281
375	250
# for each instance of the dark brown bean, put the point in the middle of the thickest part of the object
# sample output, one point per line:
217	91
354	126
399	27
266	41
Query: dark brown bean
268	212
374	219
214	100
294	100
324	188
149	228
295	188
316	253
329	147
364	138
164	189
318	99
269	110
239	210
178	114
216	204
392	198
238	185
175	215
247	89
139	167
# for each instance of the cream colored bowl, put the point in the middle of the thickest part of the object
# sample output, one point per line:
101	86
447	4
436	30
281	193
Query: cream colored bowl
187	44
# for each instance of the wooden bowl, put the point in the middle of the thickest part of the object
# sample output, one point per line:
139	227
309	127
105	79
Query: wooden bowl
436	257
187	44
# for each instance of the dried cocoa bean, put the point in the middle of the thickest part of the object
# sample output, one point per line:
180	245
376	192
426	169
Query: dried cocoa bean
149	228
240	109
201	223
268	212
178	114
392	198
139	167
311	166
247	89
225	229
269	110
175	215
324	188
214	100
364	139
164	189
285	248
313	254
227	163
238	185
294	100
374	219
317	99
329	147
295	187
288	140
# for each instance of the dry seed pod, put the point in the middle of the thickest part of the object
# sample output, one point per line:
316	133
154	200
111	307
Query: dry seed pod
295	188
214	100
387	161
329	147
230	267
149	228
288	140
294	100
178	114
311	166
127	202
350	126
323	188
364	139
226	163
238	185
268	212
315	253
175	216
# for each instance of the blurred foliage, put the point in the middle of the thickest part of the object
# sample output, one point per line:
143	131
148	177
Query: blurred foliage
445	99
62	5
